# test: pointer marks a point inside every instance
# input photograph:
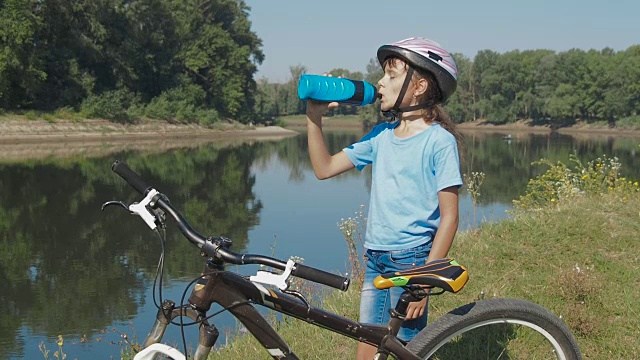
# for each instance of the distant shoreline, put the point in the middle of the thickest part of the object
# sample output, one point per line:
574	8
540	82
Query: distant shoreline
39	139
41	131
522	126
526	126
19	131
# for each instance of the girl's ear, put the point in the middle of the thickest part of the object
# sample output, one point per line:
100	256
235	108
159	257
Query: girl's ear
421	87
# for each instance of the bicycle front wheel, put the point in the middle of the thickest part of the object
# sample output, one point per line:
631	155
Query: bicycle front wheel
497	329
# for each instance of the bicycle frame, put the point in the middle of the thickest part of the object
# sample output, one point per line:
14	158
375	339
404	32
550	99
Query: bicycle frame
237	294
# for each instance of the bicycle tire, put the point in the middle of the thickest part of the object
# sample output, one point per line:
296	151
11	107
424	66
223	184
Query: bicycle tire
499	312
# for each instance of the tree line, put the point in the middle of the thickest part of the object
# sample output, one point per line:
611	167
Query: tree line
557	88
195	61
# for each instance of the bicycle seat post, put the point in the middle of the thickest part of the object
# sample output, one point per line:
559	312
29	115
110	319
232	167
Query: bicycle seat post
400	312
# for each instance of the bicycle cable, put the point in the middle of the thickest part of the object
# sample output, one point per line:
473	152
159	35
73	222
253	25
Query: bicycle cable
159	278
159	268
182	325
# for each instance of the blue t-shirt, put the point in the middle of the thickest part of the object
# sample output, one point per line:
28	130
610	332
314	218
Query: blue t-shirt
407	174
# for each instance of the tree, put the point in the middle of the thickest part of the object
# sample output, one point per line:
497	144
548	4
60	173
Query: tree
220	52
21	71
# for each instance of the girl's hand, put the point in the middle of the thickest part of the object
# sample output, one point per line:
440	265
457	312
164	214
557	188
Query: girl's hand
315	109
416	309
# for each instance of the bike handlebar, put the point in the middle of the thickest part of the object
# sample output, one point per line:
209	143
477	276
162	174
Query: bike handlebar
130	177
213	246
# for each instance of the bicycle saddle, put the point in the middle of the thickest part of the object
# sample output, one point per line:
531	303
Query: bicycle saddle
446	274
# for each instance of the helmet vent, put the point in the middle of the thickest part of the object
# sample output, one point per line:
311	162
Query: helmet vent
434	56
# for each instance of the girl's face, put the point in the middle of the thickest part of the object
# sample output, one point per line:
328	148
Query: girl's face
389	86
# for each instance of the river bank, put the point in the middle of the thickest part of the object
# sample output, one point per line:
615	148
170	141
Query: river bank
21	131
15	131
521	126
37	139
21	138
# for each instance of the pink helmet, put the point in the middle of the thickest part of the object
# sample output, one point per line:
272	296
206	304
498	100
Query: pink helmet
425	55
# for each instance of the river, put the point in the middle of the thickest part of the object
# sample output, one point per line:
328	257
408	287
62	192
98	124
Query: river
67	268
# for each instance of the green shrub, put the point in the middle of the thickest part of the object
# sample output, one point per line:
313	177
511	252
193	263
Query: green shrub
49	118
207	117
112	105
67	113
185	103
631	122
136	112
180	103
186	113
31	115
560	182
160	108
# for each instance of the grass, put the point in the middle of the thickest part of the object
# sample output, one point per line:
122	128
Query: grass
578	259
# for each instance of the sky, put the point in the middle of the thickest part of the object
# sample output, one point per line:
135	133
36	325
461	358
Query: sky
327	34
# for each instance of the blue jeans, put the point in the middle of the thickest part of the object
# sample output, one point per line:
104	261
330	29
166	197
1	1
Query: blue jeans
374	303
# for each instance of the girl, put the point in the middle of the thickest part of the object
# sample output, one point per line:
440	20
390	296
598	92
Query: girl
413	211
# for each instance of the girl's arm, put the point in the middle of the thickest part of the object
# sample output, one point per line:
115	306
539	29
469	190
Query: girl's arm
448	199
324	164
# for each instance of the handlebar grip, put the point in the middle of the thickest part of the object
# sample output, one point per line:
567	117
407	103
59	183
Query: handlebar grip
322	277
130	176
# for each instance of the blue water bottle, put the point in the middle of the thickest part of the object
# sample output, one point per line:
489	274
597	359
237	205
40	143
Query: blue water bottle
328	89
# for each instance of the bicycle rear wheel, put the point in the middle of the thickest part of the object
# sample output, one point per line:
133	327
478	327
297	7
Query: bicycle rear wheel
497	329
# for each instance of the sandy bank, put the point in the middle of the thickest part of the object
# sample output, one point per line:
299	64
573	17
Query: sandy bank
20	139
20	131
528	126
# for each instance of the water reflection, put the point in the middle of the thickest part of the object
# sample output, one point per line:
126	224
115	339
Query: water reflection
507	164
68	268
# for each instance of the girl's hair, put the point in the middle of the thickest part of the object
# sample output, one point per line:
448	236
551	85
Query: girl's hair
436	112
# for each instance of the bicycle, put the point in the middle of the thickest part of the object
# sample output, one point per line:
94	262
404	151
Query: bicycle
238	294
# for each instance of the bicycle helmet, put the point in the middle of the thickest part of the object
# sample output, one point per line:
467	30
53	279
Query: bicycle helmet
427	56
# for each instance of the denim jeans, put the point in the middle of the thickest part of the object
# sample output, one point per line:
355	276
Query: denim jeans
374	303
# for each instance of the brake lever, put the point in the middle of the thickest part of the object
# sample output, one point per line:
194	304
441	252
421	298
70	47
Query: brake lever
115	203
140	208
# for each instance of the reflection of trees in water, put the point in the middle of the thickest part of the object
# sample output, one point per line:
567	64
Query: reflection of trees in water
507	164
294	152
65	266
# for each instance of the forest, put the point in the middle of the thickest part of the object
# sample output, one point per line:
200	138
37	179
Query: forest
195	61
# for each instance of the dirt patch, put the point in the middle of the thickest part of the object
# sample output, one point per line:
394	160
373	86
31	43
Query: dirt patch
518	126
20	140
42	131
532	127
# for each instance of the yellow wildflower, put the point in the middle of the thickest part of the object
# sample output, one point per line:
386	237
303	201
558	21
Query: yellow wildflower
635	183
553	200
60	340
585	176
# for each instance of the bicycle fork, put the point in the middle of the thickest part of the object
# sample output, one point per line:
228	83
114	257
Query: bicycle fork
168	311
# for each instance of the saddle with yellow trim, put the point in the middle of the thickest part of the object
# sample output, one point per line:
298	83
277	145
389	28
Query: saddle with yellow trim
446	274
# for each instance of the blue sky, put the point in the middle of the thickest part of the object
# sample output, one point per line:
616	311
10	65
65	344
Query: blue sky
327	34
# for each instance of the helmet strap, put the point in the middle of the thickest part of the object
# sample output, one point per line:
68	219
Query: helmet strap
396	110
403	91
